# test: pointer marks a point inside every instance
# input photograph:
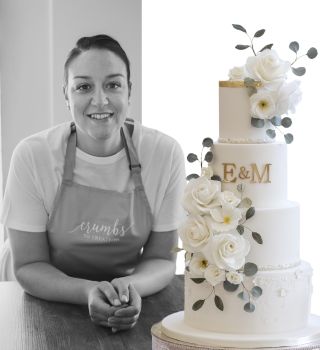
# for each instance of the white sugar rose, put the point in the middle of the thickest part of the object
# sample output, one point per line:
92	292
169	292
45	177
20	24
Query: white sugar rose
225	218
288	96
214	275
195	233
198	264
227	251
234	277
262	104
207	172
229	198
237	73
267	67
200	195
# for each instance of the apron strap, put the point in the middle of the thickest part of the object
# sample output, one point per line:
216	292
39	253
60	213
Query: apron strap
70	157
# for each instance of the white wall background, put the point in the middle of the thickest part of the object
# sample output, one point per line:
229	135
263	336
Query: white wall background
188	46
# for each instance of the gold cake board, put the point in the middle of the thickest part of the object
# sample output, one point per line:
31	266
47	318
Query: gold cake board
173	334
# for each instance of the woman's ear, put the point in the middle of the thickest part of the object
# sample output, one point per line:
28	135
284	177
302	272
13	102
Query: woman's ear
64	89
129	88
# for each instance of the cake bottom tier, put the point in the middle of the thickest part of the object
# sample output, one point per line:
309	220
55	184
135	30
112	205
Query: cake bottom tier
283	306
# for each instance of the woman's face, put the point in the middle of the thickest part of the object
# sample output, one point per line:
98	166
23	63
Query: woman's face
98	96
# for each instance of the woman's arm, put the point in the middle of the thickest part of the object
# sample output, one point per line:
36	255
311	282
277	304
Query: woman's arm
157	266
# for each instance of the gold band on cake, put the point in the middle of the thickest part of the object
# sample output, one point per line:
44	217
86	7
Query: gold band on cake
237	83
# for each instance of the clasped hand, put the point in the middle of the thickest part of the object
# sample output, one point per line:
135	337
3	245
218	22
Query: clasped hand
114	304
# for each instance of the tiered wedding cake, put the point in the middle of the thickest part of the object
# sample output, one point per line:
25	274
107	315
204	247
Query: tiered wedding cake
245	284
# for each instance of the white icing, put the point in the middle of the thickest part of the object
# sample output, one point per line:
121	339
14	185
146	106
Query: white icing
262	194
274	311
223	140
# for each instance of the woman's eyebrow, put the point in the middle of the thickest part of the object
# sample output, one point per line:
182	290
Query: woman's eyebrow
107	76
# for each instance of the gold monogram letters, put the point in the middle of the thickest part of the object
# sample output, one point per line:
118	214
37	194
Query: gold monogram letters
230	173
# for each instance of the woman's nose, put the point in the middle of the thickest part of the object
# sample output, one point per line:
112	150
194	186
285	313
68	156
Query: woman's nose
100	98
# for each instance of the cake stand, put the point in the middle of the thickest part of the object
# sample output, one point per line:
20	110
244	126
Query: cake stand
173	334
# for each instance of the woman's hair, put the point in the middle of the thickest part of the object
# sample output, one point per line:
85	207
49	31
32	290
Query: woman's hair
100	41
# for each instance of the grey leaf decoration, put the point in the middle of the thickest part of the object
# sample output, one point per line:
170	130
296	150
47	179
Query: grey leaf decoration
230	287
256	292
244	296
216	178
245	203
257	237
271	133
249	82
208	157
276	121
241	187
257	122
312	52
259	33
269	46
241	47
299	71
192	176
286	122
294	46
250	269
249	307
239	27
207	142
250	212
288	138
197	305
198	280
192	157
219	303
240	229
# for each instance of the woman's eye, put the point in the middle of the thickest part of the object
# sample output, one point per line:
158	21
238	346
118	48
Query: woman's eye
83	87
113	85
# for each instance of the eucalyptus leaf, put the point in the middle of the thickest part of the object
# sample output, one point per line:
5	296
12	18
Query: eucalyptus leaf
271	133
252	90
250	212
256	292
208	157
288	138
216	178
219	303
257	122
244	296
239	27
298	71
249	307
294	46
250	269
192	157
207	142
269	46
257	237
192	176
240	229
276	121
259	33
188	268
230	287
241	47
286	122
241	187
249	82
312	52
198	305
198	280
245	203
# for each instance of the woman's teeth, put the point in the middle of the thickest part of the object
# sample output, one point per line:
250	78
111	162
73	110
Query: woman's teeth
101	115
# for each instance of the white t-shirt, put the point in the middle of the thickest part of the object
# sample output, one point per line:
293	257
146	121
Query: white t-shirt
37	166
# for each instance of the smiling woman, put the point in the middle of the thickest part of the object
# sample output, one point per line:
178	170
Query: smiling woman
92	206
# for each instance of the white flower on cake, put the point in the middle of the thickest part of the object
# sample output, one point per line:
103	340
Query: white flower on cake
195	233
227	251
225	218
207	172
234	277
262	104
214	275
288	96
200	195
237	73
267	67
198	264
229	198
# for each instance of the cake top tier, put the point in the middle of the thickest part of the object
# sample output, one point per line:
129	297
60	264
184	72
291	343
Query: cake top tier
257	101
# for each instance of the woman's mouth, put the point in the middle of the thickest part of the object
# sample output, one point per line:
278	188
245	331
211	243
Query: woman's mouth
101	116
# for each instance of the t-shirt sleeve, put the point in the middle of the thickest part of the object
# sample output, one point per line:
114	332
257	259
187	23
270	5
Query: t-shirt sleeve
22	207
171	213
